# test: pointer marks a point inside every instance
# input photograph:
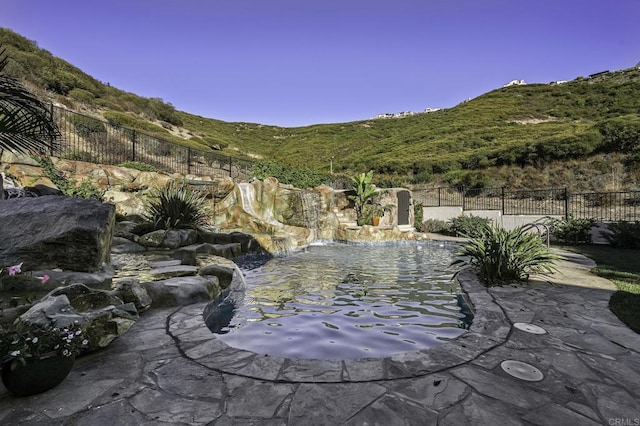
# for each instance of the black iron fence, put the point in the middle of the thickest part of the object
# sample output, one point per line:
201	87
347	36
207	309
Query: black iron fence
88	139
621	206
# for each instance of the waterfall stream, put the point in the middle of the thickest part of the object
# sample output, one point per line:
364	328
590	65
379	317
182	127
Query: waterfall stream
248	199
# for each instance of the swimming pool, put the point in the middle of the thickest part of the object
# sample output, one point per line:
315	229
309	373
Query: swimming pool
340	301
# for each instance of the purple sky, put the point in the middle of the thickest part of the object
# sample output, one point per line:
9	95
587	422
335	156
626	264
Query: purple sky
299	62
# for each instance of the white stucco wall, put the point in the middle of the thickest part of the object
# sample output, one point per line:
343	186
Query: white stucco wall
506	221
440	213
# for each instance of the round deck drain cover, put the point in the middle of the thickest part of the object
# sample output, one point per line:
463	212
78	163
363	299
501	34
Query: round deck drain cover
530	328
522	370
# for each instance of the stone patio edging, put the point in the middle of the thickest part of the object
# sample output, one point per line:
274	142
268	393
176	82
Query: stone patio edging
490	328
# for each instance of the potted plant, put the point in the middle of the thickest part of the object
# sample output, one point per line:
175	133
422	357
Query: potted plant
374	211
379	211
38	358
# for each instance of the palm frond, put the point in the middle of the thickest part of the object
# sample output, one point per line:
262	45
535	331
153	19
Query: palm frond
26	124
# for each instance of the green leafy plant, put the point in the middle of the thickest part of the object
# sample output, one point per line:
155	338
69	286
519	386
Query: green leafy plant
623	235
365	191
176	205
78	155
468	226
87	126
138	165
87	188
501	256
81	95
70	187
436	226
571	230
418	215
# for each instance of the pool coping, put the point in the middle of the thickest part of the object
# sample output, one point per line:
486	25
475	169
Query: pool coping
490	328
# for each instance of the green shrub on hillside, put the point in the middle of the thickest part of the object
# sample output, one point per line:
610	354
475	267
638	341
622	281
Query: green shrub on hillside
120	119
299	177
531	125
163	111
467	179
81	95
87	127
621	134
144	130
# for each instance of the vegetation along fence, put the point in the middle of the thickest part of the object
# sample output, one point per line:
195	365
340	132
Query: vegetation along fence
88	139
622	206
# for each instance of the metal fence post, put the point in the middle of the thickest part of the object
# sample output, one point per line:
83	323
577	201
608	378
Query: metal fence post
464	199
133	146
188	161
502	198
566	203
52	119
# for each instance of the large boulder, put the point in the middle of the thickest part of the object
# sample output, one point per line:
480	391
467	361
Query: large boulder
181	291
56	232
129	290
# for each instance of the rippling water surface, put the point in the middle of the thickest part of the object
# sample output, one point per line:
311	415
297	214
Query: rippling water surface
340	301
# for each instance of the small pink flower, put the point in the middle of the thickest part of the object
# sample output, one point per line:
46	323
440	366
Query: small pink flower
44	278
15	269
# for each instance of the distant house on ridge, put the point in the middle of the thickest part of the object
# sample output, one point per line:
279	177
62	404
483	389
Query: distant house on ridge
515	83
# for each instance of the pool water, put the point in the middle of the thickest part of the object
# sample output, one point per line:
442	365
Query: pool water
338	301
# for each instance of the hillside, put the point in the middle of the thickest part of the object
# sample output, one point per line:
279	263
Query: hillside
513	136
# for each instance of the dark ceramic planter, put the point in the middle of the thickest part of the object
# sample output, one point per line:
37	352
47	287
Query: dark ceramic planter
37	375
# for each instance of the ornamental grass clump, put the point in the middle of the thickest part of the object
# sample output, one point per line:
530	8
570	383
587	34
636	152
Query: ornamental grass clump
176	206
501	256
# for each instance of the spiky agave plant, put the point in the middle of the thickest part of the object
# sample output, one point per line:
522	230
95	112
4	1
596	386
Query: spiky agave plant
176	205
502	256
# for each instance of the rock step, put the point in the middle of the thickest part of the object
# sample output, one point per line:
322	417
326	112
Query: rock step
164	263
172	271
